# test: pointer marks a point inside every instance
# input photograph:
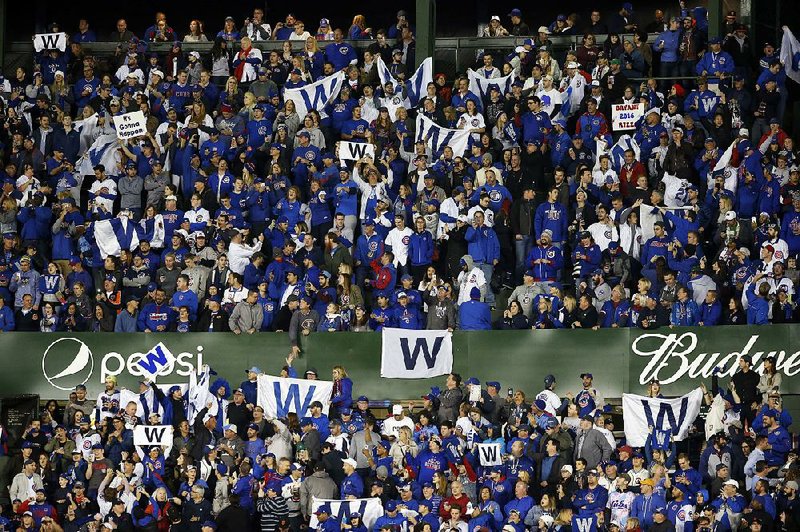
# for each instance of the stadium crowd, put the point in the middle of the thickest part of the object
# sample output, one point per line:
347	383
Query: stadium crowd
247	221
231	467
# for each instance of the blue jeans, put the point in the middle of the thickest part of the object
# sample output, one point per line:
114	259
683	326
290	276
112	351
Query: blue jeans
522	248
488	270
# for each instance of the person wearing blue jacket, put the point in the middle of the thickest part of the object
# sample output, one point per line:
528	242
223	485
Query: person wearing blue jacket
473	315
545	259
779	439
710	310
156	316
758	305
587	255
668	43
790	226
684	310
420	250
715	64
551	215
645	503
729	506
7	323
484	248
592	498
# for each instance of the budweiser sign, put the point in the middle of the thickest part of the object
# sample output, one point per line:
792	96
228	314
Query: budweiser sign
674	356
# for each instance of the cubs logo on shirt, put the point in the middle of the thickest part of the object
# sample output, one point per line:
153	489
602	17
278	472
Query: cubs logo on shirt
406	240
310	155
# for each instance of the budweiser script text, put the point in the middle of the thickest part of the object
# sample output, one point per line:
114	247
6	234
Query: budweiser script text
673	356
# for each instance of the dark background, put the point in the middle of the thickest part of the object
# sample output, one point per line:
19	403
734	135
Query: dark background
454	18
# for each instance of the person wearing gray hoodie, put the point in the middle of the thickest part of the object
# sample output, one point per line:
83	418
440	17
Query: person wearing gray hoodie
700	283
319	485
247	315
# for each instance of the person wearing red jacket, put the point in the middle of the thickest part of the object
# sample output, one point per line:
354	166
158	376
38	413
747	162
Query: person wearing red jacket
385	275
629	173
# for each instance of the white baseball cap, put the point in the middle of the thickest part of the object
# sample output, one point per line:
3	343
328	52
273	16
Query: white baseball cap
350	462
731	482
231	427
397	410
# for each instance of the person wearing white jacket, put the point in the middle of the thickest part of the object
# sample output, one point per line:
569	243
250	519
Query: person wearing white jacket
239	254
247	61
398	240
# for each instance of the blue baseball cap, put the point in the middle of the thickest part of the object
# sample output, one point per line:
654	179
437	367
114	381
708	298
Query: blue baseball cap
306	421
473	380
493	384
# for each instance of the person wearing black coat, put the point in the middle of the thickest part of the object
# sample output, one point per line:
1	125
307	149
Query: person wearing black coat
203	433
233	518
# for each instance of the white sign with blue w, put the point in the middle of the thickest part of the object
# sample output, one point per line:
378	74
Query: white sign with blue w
639	413
315	96
279	396
412	354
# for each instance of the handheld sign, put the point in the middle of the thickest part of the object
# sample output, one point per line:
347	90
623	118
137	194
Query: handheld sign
625	115
355	151
146	435
158	358
130	125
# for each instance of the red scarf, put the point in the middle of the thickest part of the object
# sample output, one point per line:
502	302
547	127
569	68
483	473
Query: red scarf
240	67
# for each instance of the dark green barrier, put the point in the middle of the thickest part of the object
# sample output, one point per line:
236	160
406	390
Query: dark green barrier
621	360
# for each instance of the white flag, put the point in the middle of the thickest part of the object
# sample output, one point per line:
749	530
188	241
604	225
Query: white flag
114	235
278	396
50	41
370	510
104	150
490	454
200	395
416	86
415	354
479	84
724	168
639	413
316	96
437	137
790	54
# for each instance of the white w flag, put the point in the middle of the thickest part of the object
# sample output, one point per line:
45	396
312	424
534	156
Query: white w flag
479	84
415	354
416	86
279	396
370	510
437	137
104	150
490	454
724	168
316	96
625	142
50	41
199	394
649	215
114	235
790	54
675	415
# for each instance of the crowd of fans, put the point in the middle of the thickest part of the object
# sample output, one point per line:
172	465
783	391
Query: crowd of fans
231	467
248	221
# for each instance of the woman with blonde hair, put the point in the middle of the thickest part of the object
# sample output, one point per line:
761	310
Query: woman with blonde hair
563	520
232	95
342	395
403	446
358	29
246	112
314	58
